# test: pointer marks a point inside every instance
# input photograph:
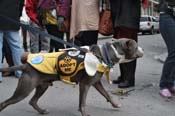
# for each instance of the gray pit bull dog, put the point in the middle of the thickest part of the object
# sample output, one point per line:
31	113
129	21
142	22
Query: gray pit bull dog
62	66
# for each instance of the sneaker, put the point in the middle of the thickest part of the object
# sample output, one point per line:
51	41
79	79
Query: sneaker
165	93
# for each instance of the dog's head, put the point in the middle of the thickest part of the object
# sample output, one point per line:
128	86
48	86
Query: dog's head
118	51
126	50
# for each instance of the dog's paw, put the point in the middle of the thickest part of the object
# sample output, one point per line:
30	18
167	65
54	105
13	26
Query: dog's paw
116	105
44	112
2	106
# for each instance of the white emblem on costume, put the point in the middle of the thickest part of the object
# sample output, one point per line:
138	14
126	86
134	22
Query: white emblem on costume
74	53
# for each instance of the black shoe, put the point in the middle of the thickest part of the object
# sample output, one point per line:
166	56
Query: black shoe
125	84
117	81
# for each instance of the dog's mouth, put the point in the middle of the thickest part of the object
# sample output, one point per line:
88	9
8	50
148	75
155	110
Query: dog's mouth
139	52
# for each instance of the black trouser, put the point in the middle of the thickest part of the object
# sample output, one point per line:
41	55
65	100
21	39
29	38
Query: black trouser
127	70
24	34
53	30
86	38
6	52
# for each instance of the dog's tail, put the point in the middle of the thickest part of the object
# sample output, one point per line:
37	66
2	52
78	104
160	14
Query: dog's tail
13	68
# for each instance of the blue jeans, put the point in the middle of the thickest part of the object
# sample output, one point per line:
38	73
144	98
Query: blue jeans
15	44
167	29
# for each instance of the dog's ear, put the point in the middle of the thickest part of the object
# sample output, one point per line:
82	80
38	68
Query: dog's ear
24	57
131	48
130	43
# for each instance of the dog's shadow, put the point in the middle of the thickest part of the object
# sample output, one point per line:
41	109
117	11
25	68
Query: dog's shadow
92	110
55	112
102	110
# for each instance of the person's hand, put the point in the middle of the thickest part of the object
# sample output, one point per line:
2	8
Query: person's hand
60	22
145	3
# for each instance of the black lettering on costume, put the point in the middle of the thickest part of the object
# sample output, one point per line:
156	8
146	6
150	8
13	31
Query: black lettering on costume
67	69
67	65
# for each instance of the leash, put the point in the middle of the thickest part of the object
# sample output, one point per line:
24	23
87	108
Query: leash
30	28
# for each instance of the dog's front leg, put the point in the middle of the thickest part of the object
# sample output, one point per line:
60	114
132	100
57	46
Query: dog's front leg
98	85
83	89
40	90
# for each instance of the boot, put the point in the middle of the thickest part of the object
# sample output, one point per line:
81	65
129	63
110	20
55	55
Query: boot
126	84
128	74
118	80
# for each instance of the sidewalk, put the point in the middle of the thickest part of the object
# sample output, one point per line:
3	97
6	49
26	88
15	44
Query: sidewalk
142	100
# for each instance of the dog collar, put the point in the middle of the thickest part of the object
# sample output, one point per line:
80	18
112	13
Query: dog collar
106	56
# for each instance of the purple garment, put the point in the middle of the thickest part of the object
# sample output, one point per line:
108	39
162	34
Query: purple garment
62	6
47	4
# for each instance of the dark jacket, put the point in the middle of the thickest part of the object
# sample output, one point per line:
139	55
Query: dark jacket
126	13
9	8
166	6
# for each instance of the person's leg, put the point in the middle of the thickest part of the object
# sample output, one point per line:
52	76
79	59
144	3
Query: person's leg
7	53
34	42
3	51
15	44
89	38
24	35
86	38
68	38
128	74
53	30
78	40
34	39
44	43
167	29
127	70
1	44
8	56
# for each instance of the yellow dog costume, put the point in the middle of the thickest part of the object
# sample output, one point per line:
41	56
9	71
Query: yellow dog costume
67	64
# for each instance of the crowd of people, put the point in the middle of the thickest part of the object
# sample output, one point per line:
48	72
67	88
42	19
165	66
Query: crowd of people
79	21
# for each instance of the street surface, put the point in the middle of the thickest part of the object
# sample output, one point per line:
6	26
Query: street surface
62	99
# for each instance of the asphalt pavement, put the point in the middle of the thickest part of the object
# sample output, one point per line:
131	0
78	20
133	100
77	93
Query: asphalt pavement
142	100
